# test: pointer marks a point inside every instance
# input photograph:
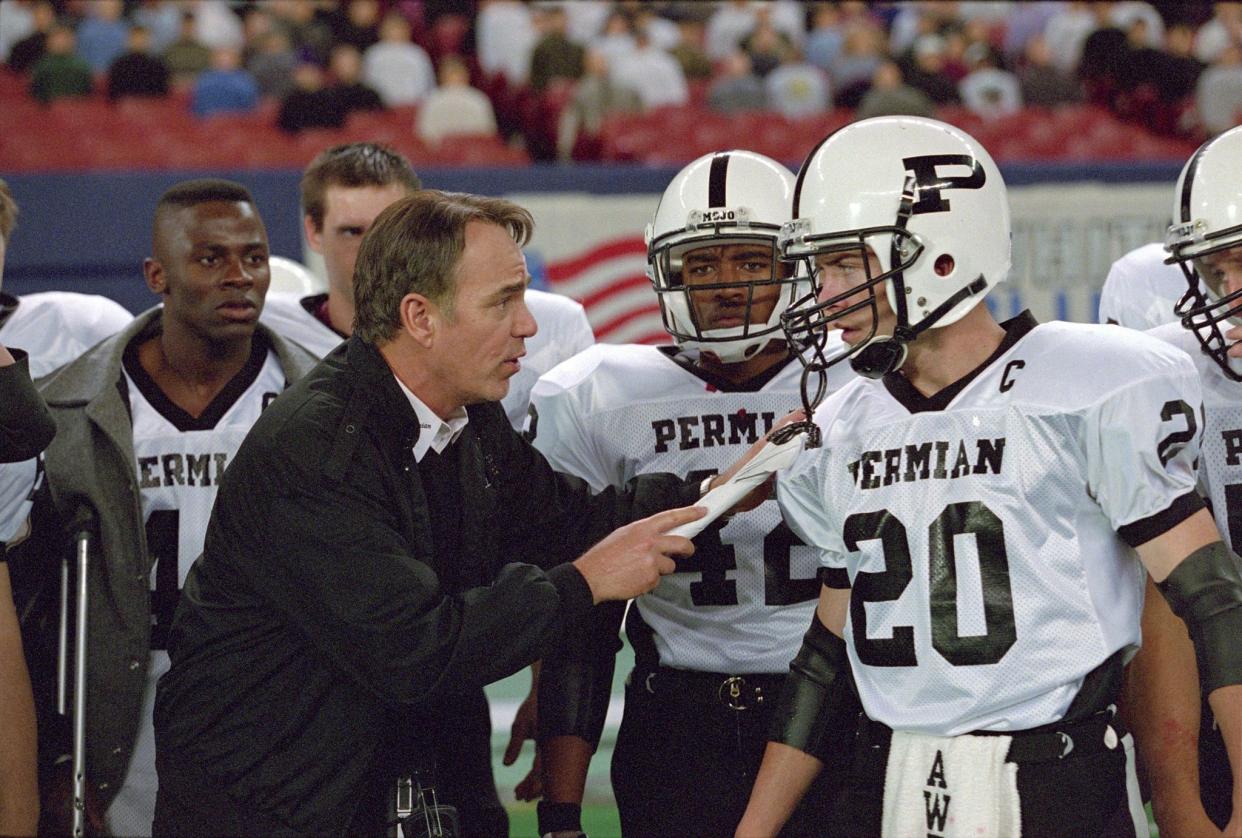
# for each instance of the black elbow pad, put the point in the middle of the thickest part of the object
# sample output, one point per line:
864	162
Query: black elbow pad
819	707
1205	590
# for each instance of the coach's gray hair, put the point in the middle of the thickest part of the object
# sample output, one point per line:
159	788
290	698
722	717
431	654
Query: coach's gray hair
415	246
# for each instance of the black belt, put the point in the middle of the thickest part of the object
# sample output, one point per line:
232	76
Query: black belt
1096	734
736	692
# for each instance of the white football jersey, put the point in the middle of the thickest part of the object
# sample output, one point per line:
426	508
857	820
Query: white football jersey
18	484
1140	290
55	327
290	316
1220	466
982	529
743	601
563	332
180	460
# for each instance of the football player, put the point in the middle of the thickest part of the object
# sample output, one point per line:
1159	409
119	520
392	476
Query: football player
1205	245
147	422
978	501
25	430
1141	289
713	641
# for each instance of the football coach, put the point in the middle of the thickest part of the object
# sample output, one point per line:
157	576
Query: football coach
384	540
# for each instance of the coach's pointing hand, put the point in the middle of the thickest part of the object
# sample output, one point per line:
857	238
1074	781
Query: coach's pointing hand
631	560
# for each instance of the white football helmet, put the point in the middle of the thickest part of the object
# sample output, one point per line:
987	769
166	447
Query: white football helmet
719	201
1207	218
928	201
292	276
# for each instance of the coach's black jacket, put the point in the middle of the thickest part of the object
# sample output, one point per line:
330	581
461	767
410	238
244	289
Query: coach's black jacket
317	625
26	427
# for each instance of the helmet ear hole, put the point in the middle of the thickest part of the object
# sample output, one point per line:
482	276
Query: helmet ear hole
944	264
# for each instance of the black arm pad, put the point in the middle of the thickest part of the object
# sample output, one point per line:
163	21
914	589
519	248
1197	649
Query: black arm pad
818	711
1205	590
575	683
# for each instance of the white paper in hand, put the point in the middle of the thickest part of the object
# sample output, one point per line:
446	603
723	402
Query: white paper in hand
770	459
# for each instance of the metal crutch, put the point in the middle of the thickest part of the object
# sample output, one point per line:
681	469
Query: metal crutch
83	525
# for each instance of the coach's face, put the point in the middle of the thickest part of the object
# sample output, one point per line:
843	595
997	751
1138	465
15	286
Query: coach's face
211	268
479	342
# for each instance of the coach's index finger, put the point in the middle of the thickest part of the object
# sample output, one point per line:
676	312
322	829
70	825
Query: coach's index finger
669	518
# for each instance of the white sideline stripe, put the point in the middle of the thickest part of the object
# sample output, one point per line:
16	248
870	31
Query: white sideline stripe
504	711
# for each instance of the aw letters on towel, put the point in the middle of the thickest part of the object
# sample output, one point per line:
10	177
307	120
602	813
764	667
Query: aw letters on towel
950	787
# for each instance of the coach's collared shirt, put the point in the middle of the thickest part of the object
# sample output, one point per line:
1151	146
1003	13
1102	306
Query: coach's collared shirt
434	433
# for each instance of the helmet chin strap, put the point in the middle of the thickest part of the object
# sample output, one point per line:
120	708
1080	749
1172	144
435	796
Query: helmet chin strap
883	354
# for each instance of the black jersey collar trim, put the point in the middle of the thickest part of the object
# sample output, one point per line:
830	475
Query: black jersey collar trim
8	305
912	400
751	385
219	406
312	304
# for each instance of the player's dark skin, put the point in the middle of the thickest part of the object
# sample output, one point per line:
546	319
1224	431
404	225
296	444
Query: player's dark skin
210	269
719	308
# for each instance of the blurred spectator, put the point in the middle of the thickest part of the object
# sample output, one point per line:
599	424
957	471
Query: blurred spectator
16	22
766	46
891	96
617	39
689	52
1159	79
272	64
454	107
737	88
797	89
595	98
399	70
216	25
256	24
1025	22
660	31
554	56
1105	56
311	37
1218	96
137	72
356	22
162	19
1066	32
348	90
187	57
1044	84
309	104
61	71
860	57
732	22
1125	14
652	73
27	52
102	34
225	86
827	36
505	36
926	70
1224	29
988	90
586	19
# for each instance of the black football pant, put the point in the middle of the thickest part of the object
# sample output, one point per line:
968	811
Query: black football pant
685	761
1083	794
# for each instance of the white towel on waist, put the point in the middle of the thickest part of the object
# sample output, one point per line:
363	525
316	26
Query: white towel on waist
950	787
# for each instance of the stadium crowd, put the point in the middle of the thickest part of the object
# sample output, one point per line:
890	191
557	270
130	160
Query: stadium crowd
562	80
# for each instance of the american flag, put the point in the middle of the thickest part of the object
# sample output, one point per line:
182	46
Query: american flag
609	279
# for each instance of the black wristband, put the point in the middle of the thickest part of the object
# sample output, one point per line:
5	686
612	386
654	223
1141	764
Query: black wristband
558	817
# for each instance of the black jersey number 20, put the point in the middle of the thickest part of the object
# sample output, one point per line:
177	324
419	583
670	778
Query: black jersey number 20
956	519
